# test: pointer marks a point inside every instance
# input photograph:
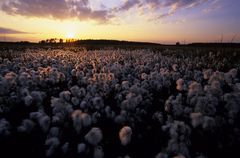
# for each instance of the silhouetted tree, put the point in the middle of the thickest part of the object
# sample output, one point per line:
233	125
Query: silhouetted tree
60	40
42	42
52	40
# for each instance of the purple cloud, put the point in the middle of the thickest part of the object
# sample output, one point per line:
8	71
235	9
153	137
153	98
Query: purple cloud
178	3
10	31
213	7
128	4
82	10
172	5
58	9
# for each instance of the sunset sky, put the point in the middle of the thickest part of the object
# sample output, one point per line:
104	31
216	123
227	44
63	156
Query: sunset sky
162	21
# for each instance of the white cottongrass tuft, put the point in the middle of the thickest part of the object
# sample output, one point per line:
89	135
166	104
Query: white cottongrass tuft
45	123
94	136
81	148
180	84
65	95
98	152
54	132
26	127
28	100
52	145
125	135
197	119
65	147
4	127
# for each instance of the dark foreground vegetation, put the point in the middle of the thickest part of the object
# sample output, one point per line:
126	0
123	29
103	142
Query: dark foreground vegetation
164	102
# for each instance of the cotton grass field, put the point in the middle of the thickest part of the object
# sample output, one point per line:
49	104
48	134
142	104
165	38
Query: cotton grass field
119	103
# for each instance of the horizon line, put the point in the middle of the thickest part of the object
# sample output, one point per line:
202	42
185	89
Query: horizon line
130	41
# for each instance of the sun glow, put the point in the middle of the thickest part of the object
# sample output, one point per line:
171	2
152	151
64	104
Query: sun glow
70	35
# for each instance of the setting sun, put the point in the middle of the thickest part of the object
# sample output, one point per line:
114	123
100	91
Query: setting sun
70	35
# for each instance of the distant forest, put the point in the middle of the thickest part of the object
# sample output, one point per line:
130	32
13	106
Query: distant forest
105	44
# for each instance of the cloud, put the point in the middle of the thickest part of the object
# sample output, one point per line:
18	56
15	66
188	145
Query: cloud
170	3
83	10
57	9
10	31
172	6
128	4
215	5
161	8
